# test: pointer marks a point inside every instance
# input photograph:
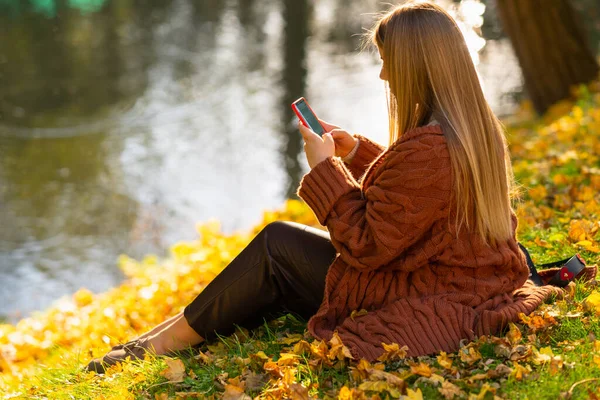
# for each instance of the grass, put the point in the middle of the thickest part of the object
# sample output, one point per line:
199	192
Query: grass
553	353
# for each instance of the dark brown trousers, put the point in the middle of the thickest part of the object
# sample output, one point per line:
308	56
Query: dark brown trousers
281	270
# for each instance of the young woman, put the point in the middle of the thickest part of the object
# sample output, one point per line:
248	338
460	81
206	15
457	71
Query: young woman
421	234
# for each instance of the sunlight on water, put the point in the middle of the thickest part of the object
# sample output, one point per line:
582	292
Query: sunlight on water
122	128
469	16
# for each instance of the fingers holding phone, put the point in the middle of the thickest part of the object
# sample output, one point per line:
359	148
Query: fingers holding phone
316	148
344	142
313	128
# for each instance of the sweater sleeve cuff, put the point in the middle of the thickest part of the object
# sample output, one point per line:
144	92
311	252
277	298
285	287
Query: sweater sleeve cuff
322	186
367	152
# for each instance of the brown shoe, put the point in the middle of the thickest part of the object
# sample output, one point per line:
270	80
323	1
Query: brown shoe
135	350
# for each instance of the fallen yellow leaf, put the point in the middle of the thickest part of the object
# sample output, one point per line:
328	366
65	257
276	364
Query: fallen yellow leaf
514	334
592	303
175	371
392	351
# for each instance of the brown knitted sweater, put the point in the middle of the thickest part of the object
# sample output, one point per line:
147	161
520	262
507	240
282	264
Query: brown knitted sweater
399	258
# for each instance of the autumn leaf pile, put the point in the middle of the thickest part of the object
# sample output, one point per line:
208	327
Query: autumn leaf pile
554	352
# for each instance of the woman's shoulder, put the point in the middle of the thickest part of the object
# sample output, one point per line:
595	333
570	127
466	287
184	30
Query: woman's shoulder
424	143
418	133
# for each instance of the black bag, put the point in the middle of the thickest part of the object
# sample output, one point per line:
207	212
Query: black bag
569	269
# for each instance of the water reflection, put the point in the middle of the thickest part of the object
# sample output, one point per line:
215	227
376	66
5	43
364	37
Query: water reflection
123	123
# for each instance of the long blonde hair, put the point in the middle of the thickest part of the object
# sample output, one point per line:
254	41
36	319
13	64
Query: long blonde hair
431	73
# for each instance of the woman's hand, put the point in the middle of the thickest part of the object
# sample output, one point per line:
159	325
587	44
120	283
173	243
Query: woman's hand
344	141
317	148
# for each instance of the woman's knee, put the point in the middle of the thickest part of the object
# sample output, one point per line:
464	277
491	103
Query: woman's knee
280	228
283	240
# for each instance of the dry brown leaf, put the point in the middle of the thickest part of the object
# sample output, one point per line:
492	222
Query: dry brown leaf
387	376
222	378
175	371
520	352
255	381
502	370
298	392
449	390
502	351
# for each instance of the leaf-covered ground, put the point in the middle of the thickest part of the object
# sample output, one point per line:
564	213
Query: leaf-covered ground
553	353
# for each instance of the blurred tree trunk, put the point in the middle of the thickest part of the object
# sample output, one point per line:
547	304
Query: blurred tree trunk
551	47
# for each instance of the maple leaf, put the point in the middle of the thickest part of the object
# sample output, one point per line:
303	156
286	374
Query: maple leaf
175	371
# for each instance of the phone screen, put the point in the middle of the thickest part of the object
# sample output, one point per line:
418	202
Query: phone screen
310	118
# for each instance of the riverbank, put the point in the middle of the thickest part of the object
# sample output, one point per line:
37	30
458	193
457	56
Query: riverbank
557	160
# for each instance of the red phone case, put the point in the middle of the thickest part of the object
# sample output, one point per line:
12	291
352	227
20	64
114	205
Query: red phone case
299	114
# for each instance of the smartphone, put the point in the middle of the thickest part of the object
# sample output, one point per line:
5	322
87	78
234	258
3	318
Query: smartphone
307	116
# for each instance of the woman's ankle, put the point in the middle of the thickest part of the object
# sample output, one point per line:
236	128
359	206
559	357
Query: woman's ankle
156	345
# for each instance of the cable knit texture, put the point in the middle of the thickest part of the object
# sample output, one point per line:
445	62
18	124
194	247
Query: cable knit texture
399	257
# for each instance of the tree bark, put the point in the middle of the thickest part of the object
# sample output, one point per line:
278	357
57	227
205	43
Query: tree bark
551	47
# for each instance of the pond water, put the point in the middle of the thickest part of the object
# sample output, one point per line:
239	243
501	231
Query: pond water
123	123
